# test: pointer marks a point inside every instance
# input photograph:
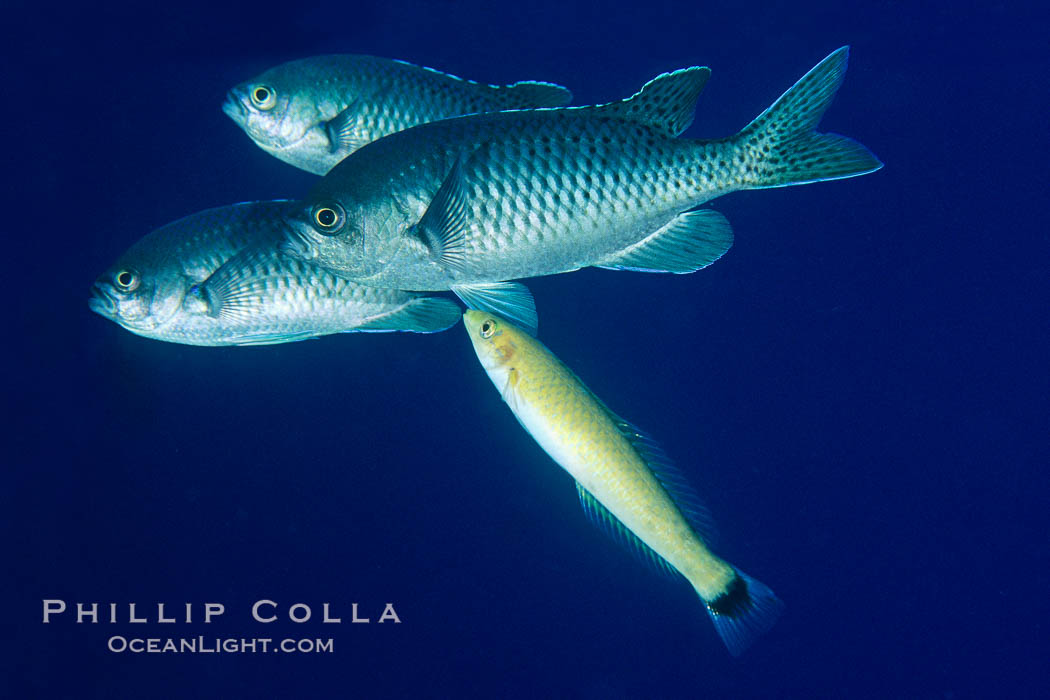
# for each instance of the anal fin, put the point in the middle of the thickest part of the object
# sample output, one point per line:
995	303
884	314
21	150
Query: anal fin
611	525
510	300
422	315
690	241
273	338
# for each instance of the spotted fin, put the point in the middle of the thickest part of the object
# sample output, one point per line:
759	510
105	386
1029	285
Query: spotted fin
510	300
237	290
345	131
782	146
530	94
443	227
610	525
667	102
422	315
690	241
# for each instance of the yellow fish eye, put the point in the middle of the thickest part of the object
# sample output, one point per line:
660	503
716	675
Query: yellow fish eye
263	96
328	218
488	328
127	280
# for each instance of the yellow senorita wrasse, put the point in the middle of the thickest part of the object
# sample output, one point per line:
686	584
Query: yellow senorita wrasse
624	480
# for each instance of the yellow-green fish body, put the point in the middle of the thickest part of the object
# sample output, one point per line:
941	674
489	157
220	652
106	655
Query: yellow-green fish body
624	480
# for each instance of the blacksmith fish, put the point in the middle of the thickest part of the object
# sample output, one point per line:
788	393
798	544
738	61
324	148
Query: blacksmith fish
314	112
218	278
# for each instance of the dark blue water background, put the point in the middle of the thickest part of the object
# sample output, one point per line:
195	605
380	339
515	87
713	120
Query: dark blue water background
858	388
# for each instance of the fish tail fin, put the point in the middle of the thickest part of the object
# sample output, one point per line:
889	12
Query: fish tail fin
782	146
746	610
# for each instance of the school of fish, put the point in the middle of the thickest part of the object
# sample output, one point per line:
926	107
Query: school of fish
432	184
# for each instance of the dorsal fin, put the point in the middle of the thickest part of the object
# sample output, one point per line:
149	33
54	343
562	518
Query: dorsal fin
669	476
667	102
672	479
530	94
674	483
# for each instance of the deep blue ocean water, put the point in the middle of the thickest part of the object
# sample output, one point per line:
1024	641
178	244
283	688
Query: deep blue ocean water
859	388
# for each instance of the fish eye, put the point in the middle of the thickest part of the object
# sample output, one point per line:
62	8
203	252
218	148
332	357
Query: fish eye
328	218
488	328
127	280
263	96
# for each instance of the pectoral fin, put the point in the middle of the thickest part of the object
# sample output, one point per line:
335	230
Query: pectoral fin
690	241
443	227
345	130
510	300
235	291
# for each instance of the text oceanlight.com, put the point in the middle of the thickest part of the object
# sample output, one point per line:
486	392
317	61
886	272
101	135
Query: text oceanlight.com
218	645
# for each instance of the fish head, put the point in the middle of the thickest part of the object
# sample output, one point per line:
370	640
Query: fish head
342	235
138	296
148	289
279	111
496	342
159	288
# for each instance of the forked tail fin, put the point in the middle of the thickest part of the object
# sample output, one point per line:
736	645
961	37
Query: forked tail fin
745	611
782	145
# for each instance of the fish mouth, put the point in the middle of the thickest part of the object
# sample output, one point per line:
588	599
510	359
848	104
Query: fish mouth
102	301
472	319
234	108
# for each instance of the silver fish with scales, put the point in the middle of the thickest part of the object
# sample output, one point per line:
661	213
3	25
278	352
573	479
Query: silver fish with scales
218	278
470	203
313	112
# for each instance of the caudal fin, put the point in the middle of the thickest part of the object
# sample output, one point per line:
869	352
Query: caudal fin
744	612
782	146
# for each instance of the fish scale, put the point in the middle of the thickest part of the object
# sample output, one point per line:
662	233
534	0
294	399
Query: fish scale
470	203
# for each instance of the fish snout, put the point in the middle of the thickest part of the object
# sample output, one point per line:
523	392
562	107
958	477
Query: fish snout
234	107
103	301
